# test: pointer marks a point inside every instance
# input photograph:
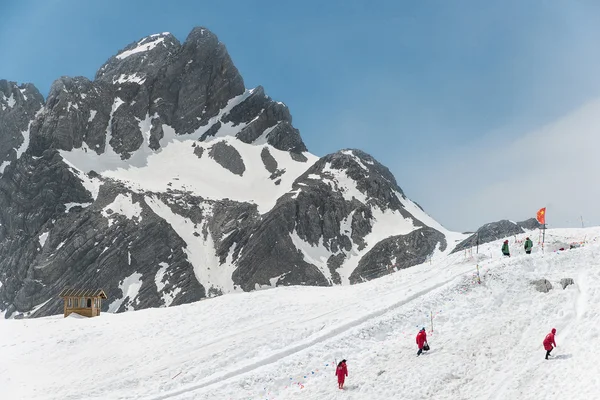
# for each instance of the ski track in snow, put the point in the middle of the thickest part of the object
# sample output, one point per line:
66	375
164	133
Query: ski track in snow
303	346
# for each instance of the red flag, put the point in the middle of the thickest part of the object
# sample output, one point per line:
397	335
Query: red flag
541	216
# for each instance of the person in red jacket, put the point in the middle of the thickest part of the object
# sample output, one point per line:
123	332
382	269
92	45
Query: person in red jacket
549	341
342	372
421	340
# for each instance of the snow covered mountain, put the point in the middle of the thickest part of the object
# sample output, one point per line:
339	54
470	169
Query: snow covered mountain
485	338
164	181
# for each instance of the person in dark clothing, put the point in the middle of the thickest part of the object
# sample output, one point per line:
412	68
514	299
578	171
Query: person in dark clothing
528	246
549	341
505	250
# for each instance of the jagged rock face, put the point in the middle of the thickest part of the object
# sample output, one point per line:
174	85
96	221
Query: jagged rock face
398	252
156	82
273	124
329	220
94	246
18	107
165	181
529	224
497	230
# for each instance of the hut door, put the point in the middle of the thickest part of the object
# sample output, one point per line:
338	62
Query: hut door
89	303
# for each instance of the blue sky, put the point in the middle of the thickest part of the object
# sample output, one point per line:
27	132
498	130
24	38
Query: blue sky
432	89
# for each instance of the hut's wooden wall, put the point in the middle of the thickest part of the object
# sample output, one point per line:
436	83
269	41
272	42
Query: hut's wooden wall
93	311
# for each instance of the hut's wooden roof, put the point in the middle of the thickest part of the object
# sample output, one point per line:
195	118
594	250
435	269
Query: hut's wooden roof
83	293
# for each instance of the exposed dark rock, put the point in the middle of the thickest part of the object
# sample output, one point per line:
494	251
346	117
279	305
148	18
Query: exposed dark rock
147	63
212	131
401	252
542	285
18	107
268	160
198	81
228	157
268	244
285	137
274	122
333	263
199	151
564	282
530	224
276	175
298	157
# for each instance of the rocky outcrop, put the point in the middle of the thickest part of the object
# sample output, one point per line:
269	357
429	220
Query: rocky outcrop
273	124
228	157
399	252
564	282
19	105
529	224
497	230
331	211
542	285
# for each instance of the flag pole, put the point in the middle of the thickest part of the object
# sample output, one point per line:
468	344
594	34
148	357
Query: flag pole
543	238
544	231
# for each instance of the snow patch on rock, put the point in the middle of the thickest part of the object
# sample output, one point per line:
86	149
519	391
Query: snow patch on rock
316	255
42	238
122	204
130	287
142	46
161	280
200	250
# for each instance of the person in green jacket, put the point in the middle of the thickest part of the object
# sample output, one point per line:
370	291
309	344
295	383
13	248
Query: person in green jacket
528	246
505	250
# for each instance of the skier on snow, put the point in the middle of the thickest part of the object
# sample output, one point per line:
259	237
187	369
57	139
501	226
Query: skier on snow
342	372
422	341
549	341
505	250
528	246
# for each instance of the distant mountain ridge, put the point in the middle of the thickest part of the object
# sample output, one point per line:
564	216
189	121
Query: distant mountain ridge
164	181
497	230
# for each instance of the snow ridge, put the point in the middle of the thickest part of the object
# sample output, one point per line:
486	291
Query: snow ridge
143	45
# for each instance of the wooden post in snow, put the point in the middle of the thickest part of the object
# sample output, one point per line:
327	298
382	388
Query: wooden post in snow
431	321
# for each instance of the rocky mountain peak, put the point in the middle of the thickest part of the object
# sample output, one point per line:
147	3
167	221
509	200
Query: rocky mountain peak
154	88
19	105
357	174
145	56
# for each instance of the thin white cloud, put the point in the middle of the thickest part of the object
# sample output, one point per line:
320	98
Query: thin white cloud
555	166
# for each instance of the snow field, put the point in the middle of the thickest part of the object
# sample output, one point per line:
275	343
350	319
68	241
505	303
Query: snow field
486	341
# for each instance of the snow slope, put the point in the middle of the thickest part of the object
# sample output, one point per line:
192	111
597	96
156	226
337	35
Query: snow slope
281	343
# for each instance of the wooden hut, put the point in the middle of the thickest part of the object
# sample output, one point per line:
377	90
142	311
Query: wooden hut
86	302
